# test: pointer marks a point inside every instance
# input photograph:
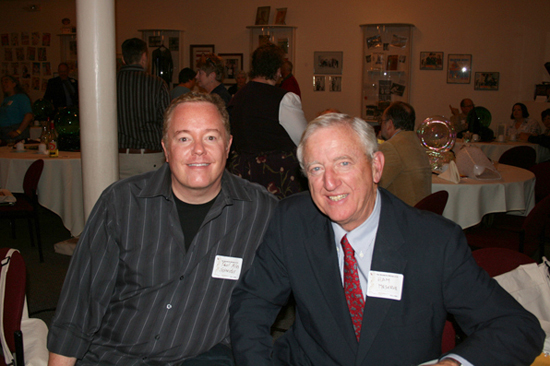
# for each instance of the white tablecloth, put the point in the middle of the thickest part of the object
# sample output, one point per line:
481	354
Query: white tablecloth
59	188
471	199
494	149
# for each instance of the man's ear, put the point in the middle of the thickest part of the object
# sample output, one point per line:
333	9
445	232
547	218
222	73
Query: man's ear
377	162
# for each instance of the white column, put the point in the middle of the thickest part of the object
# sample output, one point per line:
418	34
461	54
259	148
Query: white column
95	20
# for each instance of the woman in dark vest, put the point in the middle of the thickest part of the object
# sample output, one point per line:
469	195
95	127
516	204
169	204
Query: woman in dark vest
267	123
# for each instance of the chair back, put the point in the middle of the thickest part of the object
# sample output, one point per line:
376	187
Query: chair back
497	261
32	176
435	202
520	156
14	295
542	184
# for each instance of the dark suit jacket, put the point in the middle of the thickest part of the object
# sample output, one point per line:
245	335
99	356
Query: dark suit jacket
56	93
298	255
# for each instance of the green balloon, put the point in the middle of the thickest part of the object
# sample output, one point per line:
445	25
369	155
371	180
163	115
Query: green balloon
42	109
482	114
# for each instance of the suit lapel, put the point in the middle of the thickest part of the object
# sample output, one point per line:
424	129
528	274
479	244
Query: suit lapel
387	257
321	253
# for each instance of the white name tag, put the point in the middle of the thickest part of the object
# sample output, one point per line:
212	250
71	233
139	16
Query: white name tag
385	285
227	268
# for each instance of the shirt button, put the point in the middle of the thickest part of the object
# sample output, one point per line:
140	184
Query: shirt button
157	337
181	278
169	306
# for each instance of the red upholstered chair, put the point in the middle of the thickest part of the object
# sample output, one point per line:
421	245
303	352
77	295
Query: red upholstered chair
497	261
520	156
435	202
542	184
14	298
26	206
522	234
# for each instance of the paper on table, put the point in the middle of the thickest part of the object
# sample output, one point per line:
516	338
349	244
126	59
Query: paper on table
6	197
451	174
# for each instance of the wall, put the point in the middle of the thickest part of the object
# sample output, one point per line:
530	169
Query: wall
507	36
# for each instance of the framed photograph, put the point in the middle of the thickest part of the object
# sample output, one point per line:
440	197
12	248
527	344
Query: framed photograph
486	80
459	69
328	62
197	50
262	15
431	60
334	83
280	16
318	83
233	63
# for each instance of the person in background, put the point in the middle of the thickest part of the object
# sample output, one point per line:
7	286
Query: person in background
15	111
288	81
521	124
210	75
141	101
373	278
267	123
460	120
407	172
62	90
153	272
186	84
544	138
241	82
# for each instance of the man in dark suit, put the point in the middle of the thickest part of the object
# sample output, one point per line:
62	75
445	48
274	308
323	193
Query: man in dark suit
373	278
62	90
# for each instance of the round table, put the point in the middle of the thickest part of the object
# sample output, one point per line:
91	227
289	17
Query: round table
60	185
494	149
471	199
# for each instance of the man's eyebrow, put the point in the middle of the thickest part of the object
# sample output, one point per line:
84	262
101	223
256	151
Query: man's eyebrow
189	131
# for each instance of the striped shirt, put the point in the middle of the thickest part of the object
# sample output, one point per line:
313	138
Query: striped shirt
141	99
133	295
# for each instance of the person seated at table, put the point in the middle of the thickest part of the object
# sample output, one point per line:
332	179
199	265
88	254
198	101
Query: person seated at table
373	278
544	138
407	172
459	121
62	90
187	82
15	111
521	124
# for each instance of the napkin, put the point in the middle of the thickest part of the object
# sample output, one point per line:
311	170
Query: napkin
6	197
451	174
472	162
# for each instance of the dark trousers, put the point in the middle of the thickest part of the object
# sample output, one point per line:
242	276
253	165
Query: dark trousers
219	355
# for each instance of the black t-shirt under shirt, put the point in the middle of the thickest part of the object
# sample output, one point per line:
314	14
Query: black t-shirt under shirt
191	218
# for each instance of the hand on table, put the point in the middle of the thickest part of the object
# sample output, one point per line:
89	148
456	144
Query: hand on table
13	134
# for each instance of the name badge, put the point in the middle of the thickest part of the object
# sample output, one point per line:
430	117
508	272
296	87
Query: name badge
227	268
385	285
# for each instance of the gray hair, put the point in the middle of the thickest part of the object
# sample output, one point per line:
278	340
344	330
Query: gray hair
364	131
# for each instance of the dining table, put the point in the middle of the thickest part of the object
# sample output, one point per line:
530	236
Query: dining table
60	185
471	199
495	149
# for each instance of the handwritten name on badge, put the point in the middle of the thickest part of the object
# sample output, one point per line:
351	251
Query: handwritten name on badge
385	285
227	268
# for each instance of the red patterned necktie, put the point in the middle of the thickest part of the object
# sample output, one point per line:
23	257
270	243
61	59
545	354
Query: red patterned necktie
352	287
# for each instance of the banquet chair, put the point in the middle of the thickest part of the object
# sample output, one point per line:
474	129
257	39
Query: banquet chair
27	204
13	300
21	337
519	156
497	261
522	234
542	182
435	202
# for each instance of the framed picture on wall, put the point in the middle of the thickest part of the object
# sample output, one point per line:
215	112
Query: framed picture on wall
280	17
328	62
233	63
431	60
196	51
486	80
459	69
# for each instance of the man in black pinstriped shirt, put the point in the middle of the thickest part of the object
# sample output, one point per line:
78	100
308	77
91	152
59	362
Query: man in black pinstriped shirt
153	272
141	101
